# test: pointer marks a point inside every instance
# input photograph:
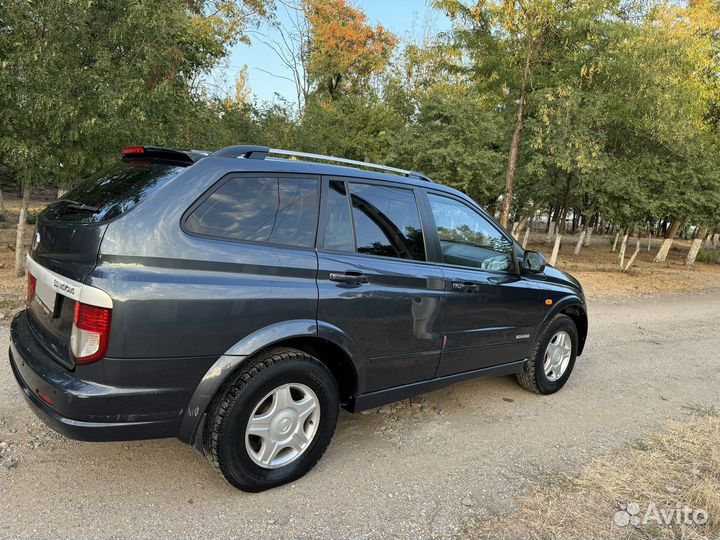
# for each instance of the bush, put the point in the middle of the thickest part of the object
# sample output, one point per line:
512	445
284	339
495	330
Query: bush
708	255
31	218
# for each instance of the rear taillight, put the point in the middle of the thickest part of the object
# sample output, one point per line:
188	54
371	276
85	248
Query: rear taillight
90	333
32	282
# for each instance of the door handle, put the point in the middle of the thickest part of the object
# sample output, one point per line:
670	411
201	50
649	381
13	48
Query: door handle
351	278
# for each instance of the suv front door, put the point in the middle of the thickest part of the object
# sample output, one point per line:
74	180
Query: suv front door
375	282
490	311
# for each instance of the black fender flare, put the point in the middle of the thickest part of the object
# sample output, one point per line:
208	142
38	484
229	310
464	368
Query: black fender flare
574	304
194	414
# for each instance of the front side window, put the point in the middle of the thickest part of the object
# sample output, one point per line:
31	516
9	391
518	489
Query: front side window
269	210
387	222
467	238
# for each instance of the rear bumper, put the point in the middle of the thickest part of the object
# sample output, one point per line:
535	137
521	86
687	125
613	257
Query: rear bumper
78	408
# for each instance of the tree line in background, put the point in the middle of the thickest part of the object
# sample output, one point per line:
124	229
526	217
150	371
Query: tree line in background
602	115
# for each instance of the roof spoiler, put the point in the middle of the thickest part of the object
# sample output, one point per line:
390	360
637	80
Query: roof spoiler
170	154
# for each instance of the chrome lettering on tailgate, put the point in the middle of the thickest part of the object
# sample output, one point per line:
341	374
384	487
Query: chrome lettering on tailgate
63	287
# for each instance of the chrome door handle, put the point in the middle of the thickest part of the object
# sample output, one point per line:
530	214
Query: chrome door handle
351	278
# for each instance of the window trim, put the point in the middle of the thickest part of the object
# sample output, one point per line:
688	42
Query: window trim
478	210
430	252
245	174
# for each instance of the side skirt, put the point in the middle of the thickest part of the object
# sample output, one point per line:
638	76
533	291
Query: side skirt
398	393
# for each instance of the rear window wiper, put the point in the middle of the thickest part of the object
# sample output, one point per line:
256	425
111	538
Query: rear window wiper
75	205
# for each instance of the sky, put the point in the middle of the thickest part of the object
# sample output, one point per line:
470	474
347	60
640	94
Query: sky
405	18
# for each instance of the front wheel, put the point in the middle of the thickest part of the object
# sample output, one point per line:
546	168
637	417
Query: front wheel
273	420
553	358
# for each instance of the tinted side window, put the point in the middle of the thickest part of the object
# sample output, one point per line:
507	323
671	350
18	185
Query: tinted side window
467	238
338	229
387	222
273	210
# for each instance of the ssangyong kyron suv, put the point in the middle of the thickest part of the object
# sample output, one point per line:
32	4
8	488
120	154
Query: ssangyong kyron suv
236	300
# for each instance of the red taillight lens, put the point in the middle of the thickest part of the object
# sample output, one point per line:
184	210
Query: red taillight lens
90	333
32	282
133	150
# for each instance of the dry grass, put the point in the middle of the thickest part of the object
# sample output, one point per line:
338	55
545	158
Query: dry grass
599	271
679	467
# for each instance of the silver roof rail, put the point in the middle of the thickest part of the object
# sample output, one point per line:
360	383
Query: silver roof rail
261	152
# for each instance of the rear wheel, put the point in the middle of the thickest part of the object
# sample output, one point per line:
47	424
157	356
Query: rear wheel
273	421
553	357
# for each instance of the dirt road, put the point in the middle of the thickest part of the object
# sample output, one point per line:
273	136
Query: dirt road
408	470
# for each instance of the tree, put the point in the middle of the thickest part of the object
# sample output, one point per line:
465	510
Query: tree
344	51
79	80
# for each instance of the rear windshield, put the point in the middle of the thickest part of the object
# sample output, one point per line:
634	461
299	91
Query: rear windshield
112	193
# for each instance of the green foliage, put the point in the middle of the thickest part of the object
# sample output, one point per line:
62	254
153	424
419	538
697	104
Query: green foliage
708	256
621	99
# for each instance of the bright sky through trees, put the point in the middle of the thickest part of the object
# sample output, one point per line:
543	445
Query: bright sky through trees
404	18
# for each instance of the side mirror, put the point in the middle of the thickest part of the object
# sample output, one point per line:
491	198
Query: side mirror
534	262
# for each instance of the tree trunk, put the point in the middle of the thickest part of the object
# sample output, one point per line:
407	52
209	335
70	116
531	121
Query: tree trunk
634	256
695	246
549	221
649	240
551	232
525	238
61	191
580	241
623	248
21	228
556	249
716	241
515	143
525	221
667	242
617	235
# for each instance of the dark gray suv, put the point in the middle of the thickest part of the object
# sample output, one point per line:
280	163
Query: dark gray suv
237	299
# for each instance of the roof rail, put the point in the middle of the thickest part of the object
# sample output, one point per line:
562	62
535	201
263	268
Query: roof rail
261	152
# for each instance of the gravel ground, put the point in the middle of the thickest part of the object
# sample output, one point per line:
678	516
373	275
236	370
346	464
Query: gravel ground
422	468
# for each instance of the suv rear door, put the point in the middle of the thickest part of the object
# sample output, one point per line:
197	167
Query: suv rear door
376	284
490	311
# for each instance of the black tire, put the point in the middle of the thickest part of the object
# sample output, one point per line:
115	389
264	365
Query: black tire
224	436
533	376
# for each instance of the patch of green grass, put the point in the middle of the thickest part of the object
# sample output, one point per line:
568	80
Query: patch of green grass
708	255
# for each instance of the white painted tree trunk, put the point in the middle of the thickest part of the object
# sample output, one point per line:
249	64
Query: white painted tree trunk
664	250
623	248
556	249
21	228
634	256
580	241
551	232
525	237
617	235
586	242
694	250
716	241
695	247
649	241
668	241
